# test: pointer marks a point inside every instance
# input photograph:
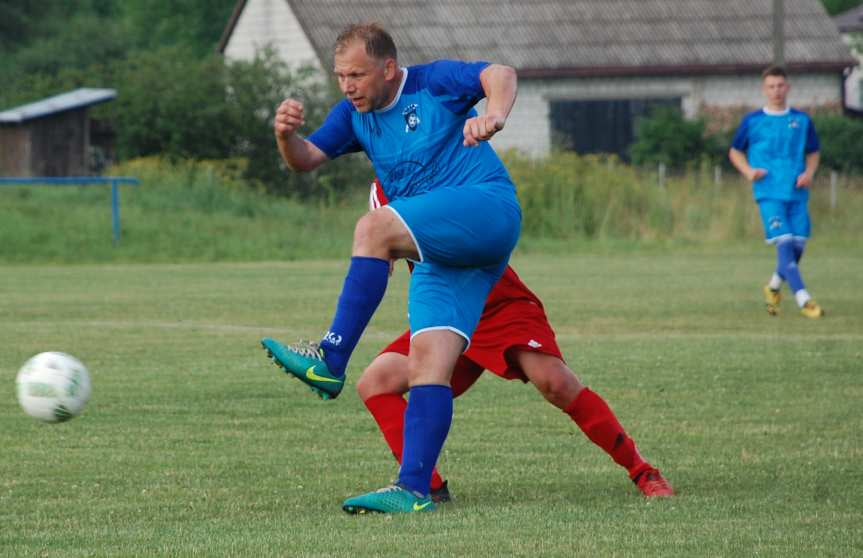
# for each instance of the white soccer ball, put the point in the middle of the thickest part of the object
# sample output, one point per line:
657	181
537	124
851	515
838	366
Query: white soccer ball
53	387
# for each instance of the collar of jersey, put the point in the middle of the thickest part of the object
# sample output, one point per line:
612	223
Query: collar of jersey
398	95
769	112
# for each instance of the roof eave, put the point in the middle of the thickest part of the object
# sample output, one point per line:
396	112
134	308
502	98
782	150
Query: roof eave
677	70
229	28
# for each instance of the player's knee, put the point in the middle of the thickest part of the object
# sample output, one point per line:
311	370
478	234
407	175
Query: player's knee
559	385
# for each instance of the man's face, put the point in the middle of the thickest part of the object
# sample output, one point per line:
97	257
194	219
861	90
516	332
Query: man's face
365	81
776	90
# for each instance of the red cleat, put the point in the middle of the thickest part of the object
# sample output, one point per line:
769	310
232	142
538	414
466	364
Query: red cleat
652	484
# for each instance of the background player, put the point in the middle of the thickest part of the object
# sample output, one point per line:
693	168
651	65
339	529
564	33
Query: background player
515	341
776	148
453	210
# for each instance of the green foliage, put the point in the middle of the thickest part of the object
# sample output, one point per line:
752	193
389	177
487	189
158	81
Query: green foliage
665	136
841	142
182	211
835	7
208	211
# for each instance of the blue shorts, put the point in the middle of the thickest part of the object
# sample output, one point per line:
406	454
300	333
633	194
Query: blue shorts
464	236
784	220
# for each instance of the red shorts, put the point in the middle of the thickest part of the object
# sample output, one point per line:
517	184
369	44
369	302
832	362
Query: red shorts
517	325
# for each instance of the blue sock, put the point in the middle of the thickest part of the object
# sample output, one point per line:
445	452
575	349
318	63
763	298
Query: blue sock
799	246
427	421
786	265
363	290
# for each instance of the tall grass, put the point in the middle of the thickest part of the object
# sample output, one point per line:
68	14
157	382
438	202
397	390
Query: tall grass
204	211
597	197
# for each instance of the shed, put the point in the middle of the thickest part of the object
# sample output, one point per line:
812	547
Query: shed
50	137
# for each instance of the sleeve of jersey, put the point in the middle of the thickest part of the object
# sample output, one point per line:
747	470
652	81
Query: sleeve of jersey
336	135
812	142
456	83
741	137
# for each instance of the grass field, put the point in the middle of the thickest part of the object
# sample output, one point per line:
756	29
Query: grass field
194	445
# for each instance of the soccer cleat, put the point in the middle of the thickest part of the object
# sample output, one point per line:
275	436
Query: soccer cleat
812	310
652	484
440	495
305	361
772	298
392	499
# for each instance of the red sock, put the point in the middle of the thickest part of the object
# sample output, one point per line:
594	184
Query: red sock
596	419
388	409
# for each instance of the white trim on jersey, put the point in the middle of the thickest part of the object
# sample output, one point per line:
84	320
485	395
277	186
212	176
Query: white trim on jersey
398	94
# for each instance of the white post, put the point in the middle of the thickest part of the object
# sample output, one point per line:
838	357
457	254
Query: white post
834	180
662	175
717	175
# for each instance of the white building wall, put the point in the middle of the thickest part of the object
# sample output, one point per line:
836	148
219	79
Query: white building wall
270	22
854	80
528	128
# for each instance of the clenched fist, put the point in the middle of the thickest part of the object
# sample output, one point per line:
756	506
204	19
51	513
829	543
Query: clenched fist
482	128
289	117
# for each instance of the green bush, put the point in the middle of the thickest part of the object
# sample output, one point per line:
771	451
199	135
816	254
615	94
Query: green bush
841	142
665	136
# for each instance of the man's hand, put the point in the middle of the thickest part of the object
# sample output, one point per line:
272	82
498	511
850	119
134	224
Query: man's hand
756	174
482	128
289	117
804	180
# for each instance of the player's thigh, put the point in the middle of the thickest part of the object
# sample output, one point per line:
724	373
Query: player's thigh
466	226
387	373
433	356
774	219
450	298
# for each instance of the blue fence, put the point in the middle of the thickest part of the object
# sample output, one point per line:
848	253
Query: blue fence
114	181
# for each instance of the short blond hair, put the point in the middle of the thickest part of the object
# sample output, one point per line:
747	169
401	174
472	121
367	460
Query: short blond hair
378	42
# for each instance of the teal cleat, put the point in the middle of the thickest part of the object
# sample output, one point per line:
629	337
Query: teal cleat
392	499
305	361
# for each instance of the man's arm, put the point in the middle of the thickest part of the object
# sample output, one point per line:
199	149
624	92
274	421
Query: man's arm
298	153
500	84
812	161
738	159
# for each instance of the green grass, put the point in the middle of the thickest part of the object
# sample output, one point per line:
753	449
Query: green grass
194	445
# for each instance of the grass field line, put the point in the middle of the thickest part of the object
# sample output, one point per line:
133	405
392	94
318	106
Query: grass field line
390	334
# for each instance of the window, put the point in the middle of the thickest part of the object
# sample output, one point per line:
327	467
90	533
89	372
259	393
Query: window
600	126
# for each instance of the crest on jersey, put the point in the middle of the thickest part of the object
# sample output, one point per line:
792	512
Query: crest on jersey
412	119
793	123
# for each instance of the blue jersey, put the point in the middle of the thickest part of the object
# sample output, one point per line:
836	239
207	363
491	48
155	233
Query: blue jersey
778	142
415	143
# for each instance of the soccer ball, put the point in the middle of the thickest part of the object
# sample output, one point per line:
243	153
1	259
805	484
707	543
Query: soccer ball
53	387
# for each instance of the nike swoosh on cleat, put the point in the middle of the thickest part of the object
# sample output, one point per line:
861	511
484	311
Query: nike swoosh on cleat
310	374
420	507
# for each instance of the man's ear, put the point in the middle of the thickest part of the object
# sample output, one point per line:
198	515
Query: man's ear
390	68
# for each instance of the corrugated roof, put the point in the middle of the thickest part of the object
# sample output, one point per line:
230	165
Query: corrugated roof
850	21
560	37
59	103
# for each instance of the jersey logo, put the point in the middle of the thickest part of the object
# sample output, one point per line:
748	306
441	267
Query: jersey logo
333	338
412	120
534	344
793	123
775	223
